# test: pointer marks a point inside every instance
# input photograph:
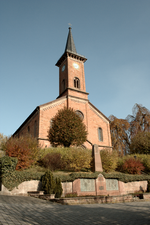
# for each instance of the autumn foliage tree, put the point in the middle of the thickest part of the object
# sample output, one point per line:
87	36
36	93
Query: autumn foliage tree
119	134
131	134
67	128
139	121
24	148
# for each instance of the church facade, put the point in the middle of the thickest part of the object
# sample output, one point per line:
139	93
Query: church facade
72	93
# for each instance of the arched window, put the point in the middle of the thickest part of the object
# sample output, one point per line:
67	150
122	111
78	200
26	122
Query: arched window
63	85
35	125
28	129
100	134
76	82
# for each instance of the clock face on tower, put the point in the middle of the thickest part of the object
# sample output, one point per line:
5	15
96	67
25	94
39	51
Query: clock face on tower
63	68
75	65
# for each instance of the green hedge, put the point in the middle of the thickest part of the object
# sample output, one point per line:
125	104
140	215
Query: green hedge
8	164
126	177
15	178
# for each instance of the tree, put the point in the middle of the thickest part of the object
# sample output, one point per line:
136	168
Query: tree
139	121
124	130
24	148
3	140
140	143
67	128
119	134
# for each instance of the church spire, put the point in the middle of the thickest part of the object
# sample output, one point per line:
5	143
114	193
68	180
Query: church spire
70	46
70	50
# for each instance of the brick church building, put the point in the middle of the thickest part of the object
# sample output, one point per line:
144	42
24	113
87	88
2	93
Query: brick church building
72	93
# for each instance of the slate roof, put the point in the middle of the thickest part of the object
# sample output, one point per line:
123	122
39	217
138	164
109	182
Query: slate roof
70	46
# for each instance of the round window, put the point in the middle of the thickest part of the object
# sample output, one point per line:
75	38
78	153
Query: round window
80	114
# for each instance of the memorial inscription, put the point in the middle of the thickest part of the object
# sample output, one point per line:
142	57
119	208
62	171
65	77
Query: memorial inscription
87	184
111	185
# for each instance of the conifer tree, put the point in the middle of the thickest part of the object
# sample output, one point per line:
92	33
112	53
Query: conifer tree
67	128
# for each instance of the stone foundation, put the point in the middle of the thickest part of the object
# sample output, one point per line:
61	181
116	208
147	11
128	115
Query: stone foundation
83	187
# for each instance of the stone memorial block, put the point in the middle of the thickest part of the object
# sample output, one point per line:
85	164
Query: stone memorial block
111	184
101	188
67	187
87	184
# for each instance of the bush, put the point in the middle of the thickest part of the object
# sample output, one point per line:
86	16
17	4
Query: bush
71	195
132	166
48	183
140	143
58	188
72	159
76	159
8	164
25	149
145	160
52	161
109	159
67	128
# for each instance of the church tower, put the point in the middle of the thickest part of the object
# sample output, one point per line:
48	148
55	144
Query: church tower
71	71
72	94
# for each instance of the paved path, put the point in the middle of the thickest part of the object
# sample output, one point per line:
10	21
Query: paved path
27	210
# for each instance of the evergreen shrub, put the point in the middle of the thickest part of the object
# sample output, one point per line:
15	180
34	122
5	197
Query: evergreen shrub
51	185
58	188
48	183
8	164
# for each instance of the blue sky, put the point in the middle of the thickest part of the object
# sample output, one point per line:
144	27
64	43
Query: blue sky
114	35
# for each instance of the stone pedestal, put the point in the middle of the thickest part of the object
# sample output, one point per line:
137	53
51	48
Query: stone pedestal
97	159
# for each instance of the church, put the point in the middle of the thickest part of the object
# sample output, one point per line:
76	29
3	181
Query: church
72	93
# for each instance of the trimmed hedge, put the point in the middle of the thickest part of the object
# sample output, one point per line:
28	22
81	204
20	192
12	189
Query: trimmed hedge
125	177
15	178
8	164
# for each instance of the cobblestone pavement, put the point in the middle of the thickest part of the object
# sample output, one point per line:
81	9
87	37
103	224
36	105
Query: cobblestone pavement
28	210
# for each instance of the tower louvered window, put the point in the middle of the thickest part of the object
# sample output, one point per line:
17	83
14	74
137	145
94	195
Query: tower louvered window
76	82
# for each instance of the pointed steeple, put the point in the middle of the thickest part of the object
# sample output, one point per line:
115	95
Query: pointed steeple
70	46
70	50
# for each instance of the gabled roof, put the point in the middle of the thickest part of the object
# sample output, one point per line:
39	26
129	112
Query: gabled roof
37	109
70	46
